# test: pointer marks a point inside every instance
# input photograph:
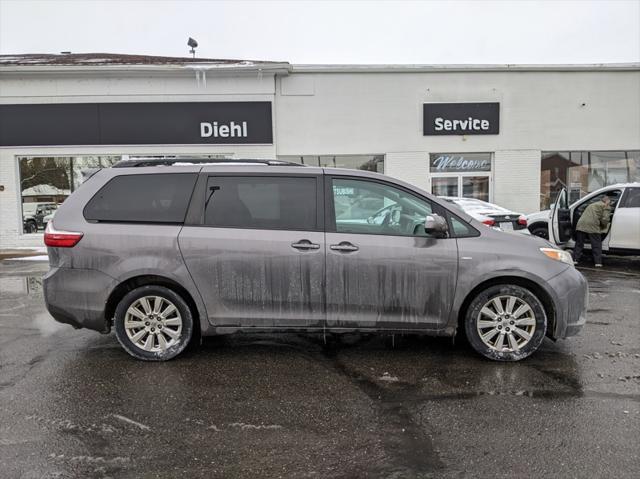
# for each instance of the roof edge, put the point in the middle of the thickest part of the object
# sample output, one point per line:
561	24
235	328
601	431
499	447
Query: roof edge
271	67
423	68
285	68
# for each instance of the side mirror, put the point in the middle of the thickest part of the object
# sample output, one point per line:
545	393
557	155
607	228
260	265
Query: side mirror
435	225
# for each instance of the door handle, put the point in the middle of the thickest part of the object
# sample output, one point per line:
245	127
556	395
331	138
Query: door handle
345	246
305	244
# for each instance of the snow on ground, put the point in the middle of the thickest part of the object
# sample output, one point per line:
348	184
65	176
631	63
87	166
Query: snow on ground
35	249
43	257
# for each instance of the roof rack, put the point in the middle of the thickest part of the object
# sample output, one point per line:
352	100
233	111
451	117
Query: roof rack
140	162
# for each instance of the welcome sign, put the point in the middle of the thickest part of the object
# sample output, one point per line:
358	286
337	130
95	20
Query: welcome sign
461	119
441	163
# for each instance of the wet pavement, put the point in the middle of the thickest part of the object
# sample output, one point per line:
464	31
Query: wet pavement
73	404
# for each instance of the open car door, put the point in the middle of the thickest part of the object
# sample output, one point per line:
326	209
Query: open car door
560	220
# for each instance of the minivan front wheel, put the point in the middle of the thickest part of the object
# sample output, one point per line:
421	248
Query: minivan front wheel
153	323
505	322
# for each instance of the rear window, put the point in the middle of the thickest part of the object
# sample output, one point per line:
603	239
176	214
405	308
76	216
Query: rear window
152	198
263	202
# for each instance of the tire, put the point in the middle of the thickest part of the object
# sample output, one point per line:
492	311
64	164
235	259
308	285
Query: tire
153	323
540	230
31	227
518	341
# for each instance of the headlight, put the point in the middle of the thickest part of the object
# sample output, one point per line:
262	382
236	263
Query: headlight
558	255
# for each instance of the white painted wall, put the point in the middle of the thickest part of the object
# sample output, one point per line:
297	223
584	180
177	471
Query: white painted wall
183	86
516	180
382	112
410	166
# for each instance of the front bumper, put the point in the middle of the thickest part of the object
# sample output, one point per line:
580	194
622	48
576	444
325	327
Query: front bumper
78	297
571	303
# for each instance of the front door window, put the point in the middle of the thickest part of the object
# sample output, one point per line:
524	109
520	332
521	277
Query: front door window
376	208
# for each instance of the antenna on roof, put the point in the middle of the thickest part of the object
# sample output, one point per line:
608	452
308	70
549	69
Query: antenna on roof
193	44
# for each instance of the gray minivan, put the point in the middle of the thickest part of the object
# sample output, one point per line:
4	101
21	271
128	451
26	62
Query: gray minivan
168	251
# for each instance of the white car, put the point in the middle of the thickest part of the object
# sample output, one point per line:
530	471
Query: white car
490	214
538	223
623	236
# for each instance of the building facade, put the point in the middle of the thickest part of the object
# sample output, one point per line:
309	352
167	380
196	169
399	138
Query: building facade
511	135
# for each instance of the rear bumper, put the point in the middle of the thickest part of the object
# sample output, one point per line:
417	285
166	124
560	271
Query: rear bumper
572	294
78	297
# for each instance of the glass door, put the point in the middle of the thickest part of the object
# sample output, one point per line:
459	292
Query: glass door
476	186
462	185
445	186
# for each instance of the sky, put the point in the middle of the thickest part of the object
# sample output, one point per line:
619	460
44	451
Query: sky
301	32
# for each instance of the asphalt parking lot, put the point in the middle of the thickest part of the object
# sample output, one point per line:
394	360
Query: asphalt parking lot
74	404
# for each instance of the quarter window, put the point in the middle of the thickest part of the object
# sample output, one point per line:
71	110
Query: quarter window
151	198
462	229
376	208
267	202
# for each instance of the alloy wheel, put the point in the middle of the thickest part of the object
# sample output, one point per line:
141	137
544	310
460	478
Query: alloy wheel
506	323
153	323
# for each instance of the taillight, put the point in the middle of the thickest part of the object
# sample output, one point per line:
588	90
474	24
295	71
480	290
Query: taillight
489	222
60	239
522	220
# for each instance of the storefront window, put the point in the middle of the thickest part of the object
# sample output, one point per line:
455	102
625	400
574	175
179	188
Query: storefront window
465	175
46	181
582	172
354	162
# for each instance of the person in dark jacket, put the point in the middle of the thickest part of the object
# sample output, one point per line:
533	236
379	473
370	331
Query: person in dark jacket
594	221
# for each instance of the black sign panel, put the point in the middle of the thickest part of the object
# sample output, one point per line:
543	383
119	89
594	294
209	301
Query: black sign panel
461	119
136	123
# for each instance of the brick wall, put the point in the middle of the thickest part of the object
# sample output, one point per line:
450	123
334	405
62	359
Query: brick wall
516	180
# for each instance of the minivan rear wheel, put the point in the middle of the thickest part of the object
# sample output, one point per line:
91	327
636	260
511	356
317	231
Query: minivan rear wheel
153	323
505	322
